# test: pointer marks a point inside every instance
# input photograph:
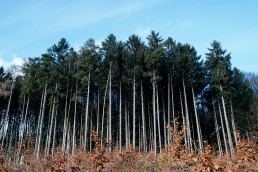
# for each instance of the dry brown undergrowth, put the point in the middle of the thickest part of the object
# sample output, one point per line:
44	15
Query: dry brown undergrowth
175	158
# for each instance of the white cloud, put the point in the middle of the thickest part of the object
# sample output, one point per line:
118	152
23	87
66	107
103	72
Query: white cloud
18	61
98	42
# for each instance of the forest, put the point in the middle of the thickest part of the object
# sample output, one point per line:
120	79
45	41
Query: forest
126	103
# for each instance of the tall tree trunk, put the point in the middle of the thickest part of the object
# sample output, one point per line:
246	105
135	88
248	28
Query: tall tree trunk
51	122
103	110
41	121
233	123
120	117
227	125
217	130
169	118
164	123
38	124
65	118
223	129
74	118
158	118
98	112
154	112
189	137
184	125
172	100
25	118
126	126
54	136
197	123
143	123
134	104
87	113
110	108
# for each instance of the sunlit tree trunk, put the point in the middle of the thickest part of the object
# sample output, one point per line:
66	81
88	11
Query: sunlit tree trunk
74	118
164	123
41	121
51	123
54	135
87	113
98	113
197	123
217	130
223	129
110	109
126	126
233	123
120	117
65	118
169	117
227	126
143	123
189	137
154	113
184	125
134	104
158	118
103	111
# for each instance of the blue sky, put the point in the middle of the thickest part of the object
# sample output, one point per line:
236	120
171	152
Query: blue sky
28	28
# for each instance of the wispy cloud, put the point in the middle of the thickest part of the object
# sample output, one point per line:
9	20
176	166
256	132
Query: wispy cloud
16	60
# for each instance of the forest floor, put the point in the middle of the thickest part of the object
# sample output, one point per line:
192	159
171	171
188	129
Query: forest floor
177	159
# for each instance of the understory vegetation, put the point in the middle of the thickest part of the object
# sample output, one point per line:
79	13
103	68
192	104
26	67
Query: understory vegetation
176	158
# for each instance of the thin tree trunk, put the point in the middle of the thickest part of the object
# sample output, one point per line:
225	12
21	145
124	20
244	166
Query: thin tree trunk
184	127
143	123
227	125
197	123
54	136
103	111
189	137
87	113
41	121
25	119
169	118
164	124
223	129
158	118
65	118
110	103
217	130
98	113
120	117
154	113
172	100
126	126
233	123
134	93
38	125
51	122
74	119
